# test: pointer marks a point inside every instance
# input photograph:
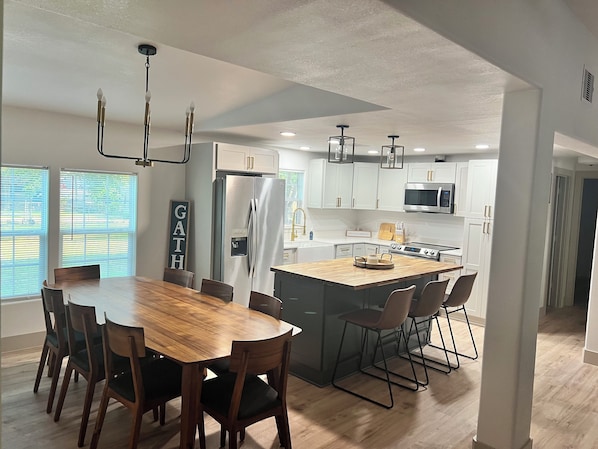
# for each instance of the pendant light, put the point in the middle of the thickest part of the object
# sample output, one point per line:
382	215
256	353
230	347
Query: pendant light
341	149
389	156
145	161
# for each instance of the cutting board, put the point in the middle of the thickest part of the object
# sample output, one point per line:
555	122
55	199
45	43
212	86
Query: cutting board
386	231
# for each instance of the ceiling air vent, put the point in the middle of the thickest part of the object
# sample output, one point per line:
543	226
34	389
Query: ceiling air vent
587	87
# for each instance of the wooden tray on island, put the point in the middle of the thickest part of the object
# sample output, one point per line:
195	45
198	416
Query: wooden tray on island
379	264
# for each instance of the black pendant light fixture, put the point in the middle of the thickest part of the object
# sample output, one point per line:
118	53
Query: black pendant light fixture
392	155
341	149
145	161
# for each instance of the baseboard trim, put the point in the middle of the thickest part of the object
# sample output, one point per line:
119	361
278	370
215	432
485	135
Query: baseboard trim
18	342
478	445
590	357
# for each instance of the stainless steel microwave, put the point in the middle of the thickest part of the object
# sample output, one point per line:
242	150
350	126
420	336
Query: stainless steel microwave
429	197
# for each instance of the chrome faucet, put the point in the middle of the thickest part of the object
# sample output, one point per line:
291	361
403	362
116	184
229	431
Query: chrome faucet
293	232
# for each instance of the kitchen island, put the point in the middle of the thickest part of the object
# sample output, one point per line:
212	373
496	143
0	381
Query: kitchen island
314	294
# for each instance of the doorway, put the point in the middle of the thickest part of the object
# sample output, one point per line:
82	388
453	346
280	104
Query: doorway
557	272
585	244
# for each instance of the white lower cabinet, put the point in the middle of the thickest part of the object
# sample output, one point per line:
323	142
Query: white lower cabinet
289	255
477	247
365	249
343	250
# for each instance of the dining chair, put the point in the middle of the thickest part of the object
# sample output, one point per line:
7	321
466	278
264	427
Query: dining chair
424	309
217	288
455	302
141	388
241	397
87	359
77	273
55	347
179	277
390	318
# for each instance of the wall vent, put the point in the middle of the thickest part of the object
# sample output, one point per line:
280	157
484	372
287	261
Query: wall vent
587	86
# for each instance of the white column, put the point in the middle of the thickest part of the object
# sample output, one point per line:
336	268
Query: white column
515	282
590	352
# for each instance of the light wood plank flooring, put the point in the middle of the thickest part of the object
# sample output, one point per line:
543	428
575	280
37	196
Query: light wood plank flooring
442	416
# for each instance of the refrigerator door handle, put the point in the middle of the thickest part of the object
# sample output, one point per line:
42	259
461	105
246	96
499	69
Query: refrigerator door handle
250	238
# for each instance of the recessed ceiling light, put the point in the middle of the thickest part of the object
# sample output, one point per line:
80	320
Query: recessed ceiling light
287	133
482	147
419	150
304	148
373	151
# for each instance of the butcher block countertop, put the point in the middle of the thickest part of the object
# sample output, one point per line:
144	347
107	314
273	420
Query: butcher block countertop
343	272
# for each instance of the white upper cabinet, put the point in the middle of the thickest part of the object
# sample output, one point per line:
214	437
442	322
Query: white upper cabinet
239	158
481	188
432	172
365	185
330	185
391	188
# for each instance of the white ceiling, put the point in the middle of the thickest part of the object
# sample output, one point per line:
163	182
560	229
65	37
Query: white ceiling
256	68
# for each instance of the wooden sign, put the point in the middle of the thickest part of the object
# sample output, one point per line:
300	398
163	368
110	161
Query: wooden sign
178	235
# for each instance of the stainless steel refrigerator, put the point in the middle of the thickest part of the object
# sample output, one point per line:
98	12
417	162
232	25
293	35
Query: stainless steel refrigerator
248	233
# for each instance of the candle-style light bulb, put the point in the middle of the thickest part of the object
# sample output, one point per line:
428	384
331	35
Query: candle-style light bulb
148	96
100	95
191	110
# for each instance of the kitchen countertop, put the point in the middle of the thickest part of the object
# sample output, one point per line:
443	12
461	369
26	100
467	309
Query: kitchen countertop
335	241
343	272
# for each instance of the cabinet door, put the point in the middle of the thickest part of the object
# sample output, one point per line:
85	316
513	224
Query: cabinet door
418	172
369	249
391	189
264	161
461	188
365	185
315	182
481	187
345	185
344	250
331	175
477	247
443	172
359	249
289	256
232	157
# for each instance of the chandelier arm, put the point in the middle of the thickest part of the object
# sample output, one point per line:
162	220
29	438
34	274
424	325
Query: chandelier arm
100	147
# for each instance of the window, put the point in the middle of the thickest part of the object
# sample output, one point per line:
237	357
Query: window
24	230
98	221
293	196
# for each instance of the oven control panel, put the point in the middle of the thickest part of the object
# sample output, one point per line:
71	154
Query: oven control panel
414	250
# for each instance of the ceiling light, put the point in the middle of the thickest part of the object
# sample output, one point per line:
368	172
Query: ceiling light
482	147
146	50
389	156
287	133
372	151
419	150
340	146
304	148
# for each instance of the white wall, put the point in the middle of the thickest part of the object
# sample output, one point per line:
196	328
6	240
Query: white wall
591	345
31	137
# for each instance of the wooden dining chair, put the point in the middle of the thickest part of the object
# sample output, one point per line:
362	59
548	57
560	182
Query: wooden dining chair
241	397
217	288
179	277
55	347
77	273
143	387
87	359
390	318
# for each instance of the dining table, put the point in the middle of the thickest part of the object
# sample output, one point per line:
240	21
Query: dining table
189	327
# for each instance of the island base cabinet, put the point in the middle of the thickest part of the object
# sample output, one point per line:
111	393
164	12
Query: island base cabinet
315	307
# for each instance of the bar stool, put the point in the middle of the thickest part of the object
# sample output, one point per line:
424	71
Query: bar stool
423	310
455	302
392	318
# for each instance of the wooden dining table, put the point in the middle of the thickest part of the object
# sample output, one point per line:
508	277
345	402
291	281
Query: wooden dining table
185	325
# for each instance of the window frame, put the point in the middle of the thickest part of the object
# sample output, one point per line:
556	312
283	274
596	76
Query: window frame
300	200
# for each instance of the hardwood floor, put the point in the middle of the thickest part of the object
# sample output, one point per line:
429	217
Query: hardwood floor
443	416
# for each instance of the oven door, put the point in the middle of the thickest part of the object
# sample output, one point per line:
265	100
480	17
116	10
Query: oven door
429	197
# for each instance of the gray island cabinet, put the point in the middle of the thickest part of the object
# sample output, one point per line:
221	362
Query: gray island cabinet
315	294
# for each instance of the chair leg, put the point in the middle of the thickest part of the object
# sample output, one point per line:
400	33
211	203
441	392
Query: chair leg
63	390
100	419
232	438
434	364
91	384
202	431
136	428
155	413
54	385
162	414
420	356
223	436
284	432
40	368
51	362
454	350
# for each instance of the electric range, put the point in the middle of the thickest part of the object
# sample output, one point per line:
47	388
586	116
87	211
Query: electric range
425	250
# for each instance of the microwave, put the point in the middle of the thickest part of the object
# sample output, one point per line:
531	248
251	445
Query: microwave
429	197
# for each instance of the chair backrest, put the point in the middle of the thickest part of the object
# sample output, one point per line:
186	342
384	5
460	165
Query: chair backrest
53	301
125	341
396	308
266	304
82	319
179	277
217	289
430	300
461	291
77	273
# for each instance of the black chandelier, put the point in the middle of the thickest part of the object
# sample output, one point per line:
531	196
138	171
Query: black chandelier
146	50
389	156
339	147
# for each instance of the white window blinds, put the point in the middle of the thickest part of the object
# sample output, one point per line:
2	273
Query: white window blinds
98	221
24	229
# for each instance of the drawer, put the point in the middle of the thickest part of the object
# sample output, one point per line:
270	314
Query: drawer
344	250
